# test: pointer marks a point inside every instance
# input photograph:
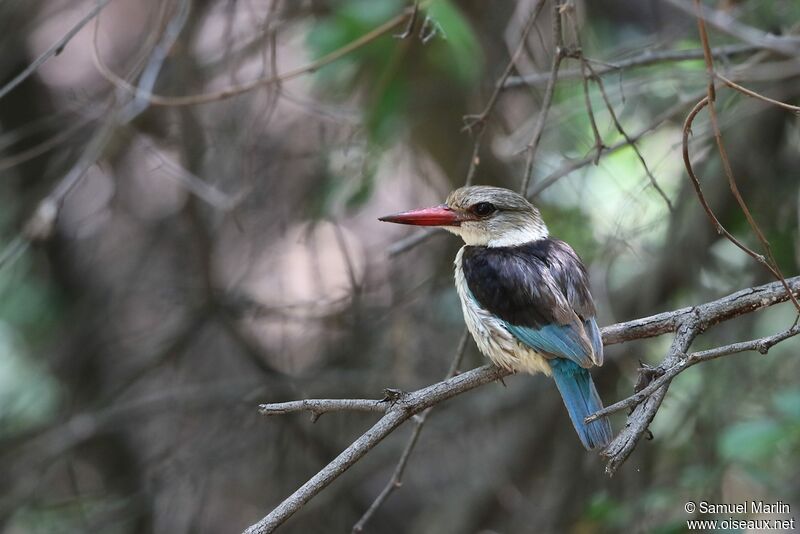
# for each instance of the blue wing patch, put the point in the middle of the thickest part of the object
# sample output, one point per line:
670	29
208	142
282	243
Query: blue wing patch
558	340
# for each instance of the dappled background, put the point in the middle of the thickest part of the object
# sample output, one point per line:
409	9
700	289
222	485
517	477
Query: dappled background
203	255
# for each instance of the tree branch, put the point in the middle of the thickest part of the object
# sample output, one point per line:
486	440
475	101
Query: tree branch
768	261
405	407
318	407
55	49
646	58
789	46
761	345
230	92
687	322
558	55
397	476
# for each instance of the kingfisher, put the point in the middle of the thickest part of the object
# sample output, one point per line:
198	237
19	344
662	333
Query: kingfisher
525	296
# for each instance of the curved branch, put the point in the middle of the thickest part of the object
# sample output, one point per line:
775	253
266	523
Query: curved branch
709	101
759	96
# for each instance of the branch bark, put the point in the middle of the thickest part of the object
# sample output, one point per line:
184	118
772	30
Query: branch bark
686	322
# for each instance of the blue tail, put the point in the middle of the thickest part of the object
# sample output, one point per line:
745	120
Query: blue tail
581	399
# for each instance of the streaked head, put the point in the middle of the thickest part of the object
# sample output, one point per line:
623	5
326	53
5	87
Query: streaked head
481	215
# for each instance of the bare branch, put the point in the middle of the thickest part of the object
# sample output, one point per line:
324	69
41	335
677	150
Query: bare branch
229	92
641	417
405	407
54	49
761	345
646	58
397	476
318	407
624	134
687	322
558	55
473	121
789	46
710	314
769	262
759	96
571	166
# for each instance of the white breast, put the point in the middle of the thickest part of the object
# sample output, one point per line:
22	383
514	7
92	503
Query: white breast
493	340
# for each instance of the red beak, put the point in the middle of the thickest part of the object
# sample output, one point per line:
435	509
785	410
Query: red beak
440	215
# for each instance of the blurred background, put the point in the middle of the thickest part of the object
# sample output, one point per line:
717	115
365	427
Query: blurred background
200	259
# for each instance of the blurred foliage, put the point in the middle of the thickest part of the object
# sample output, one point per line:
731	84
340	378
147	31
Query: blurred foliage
382	74
770	439
29	315
495	461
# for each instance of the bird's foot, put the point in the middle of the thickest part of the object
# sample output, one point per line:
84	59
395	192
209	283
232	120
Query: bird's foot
392	395
647	374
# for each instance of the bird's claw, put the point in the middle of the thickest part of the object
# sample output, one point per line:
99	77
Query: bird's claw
392	395
647	374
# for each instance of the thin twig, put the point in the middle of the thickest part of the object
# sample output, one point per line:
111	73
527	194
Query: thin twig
646	58
412	20
474	160
599	145
628	139
473	121
769	262
48	144
571	166
759	96
789	46
55	49
547	100
397	476
13	251
229	92
196	185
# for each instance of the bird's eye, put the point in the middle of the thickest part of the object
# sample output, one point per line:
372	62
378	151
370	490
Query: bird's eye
482	209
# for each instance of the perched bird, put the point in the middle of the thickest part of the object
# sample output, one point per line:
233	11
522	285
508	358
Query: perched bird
525	296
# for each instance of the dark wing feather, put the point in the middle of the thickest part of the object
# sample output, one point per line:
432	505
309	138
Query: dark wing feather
540	291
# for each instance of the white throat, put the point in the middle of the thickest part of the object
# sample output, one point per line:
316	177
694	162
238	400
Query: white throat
519	236
516	236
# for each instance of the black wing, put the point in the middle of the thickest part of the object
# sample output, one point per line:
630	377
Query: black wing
540	290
